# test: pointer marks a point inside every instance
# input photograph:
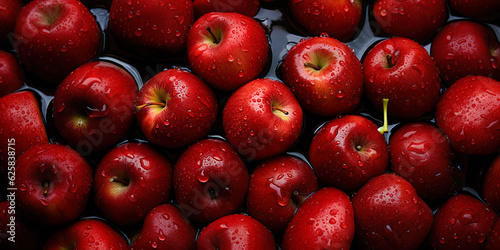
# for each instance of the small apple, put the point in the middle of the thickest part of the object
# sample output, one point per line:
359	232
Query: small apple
11	74
262	119
491	185
245	7
9	10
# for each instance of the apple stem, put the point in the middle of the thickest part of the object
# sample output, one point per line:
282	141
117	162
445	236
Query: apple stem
216	40
359	147
45	188
312	65
162	104
390	64
281	110
384	128
119	180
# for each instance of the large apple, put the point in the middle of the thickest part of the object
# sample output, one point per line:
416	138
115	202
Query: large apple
262	119
94	106
131	180
11	74
347	152
227	49
325	76
54	37
210	180
245	7
402	71
176	108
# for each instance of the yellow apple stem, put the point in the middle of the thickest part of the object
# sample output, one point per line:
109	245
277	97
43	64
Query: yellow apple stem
384	128
150	104
45	188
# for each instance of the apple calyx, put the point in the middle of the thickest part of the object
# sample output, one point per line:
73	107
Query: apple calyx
213	193
215	39
385	128
390	63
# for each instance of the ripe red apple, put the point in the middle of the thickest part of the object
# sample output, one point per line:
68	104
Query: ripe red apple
416	20
210	180
94	106
9	10
339	19
262	119
462	222
245	7
87	234
390	215
54	37
13	230
468	114
493	241
176	108
402	71
324	221
53	183
159	24
165	227
236	231
347	152
325	76
421	154
227	49
478	9
465	48
278	186
131	180
11	74
21	127
491	185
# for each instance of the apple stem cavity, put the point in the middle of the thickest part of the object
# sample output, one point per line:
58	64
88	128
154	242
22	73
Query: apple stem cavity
359	148
280	110
214	37
213	193
312	65
119	180
390	63
45	188
161	104
385	128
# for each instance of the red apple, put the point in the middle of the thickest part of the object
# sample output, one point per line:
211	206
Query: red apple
339	19
54	37
236	231
21	127
493	241
478	9
390	215
53	183
87	234
94	106
131	180
416	20
227	49
210	180
421	154
245	7
13	230
165	227
176	108
9	10
491	185
468	114
462	222
262	119
402	71
325	76
159	24
465	48
324	221
277	188
347	152
11	74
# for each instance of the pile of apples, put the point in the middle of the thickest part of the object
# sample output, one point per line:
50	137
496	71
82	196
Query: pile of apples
246	124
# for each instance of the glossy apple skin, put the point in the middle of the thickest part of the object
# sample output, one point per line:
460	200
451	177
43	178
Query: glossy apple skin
52	51
8	15
416	20
21	123
421	154
245	7
20	231
335	87
278	186
324	221
468	114
87	234
338	19
210	180
465	48
94	106
462	222
390	215
68	177
11	74
236	231
336	159
479	9
165	227
190	111
148	177
491	185
157	24
238	58
412	84
253	123
493	241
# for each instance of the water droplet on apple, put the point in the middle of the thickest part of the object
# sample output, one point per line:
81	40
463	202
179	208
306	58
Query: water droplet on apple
202	177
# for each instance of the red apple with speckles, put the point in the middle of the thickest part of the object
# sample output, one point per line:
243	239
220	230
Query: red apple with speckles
389	214
491	185
9	10
279	186
245	7
347	152
325	76
477	9
176	108
468	114
236	231
131	180
402	71
11	74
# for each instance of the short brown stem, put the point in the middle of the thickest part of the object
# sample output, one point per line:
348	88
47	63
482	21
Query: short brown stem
45	188
216	40
162	104
281	110
390	63
312	65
